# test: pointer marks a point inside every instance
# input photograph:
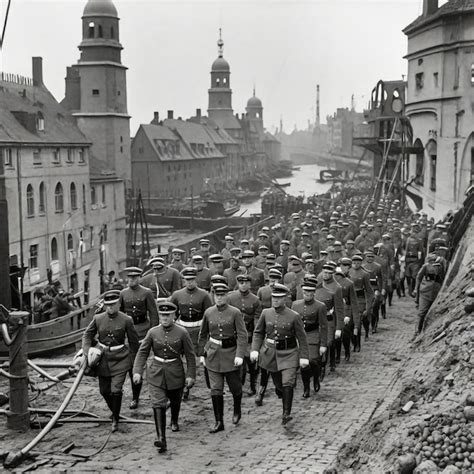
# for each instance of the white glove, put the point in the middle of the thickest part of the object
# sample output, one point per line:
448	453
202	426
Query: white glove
254	356
384	292
322	350
202	360
356	331
137	378
337	335
238	361
347	320
377	292
304	363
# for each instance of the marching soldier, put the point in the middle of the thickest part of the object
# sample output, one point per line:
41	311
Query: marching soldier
428	284
377	281
351	310
204	250
365	297
164	281
280	346
177	256
413	259
257	276
116	357
222	346
313	314
234	270
191	302
226	251
249	305
217	267
330	293
294	278
203	274
165	374
138	302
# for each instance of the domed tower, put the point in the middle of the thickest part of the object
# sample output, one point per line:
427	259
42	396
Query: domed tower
96	88
255	112
220	93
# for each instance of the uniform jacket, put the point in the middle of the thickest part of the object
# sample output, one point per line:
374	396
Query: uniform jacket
138	302
313	312
258	278
222	323
164	284
330	293
191	304
167	343
375	275
112	332
428	281
361	281
294	280
231	274
249	305
203	279
280	324
349	296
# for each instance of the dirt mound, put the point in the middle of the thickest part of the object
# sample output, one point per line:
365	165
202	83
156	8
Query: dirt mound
430	426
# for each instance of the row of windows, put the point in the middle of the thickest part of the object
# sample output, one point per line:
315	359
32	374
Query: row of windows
6	154
97	31
420	78
59	198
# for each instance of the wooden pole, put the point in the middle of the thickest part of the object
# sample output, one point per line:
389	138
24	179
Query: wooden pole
19	417
192	208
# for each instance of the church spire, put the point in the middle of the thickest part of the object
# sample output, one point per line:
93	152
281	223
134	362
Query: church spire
220	45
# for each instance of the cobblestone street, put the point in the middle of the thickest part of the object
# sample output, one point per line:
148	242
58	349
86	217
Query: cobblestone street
321	425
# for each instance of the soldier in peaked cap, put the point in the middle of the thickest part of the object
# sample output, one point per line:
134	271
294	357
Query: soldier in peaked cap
313	314
203	274
294	278
257	275
165	373
177	256
376	278
217	264
280	346
164	281
226	251
250	307
112	328
234	270
222	347
138	302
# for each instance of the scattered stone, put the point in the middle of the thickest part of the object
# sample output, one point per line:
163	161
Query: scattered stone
451	470
469	413
408	406
406	463
426	467
470	399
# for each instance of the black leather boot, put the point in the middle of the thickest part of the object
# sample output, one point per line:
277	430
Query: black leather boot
160	425
237	409
306	377
338	344
218	405
253	379
116	402
136	389
315	370
287	404
263	387
175	407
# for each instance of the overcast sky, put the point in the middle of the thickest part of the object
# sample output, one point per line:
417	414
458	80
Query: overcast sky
285	48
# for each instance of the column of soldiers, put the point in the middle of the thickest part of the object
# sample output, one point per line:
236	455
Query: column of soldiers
289	300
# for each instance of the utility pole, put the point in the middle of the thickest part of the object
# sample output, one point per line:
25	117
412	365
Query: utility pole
5	294
318	118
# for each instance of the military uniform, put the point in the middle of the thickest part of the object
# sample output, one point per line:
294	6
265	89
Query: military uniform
140	305
164	283
231	274
377	282
365	297
222	339
314	316
257	278
117	357
203	278
293	280
250	307
413	257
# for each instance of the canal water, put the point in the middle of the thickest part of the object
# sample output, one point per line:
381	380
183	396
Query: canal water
302	183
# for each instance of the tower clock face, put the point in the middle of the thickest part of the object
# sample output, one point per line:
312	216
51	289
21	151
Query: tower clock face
397	105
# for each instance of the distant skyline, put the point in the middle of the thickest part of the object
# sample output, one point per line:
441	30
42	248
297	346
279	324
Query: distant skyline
284	48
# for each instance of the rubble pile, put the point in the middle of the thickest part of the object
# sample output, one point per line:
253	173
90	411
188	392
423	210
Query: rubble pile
430	425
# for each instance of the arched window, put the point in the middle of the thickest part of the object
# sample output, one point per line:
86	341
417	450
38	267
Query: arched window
432	151
91	29
59	198
40	122
42	198
103	194
30	201
112	32
420	164
93	196
84	198
70	242
73	196
101	33
54	249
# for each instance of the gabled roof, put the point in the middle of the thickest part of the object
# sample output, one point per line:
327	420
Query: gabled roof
453	7
59	127
268	137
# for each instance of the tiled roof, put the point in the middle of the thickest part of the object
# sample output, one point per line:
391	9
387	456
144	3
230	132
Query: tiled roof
453	7
59	126
158	135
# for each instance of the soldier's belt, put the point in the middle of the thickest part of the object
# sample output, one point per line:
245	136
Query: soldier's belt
282	344
111	348
138	319
160	359
311	327
188	324
225	343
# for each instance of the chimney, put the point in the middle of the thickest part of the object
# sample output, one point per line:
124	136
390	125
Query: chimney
198	113
37	71
156	118
430	7
170	114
